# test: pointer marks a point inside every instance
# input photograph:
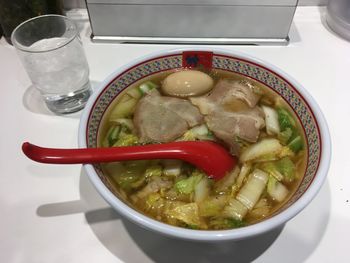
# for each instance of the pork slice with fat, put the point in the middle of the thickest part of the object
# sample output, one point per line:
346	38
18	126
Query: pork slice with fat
231	95
229	91
185	109
164	119
229	126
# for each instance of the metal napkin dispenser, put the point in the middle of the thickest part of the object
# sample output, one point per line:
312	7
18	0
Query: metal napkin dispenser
192	21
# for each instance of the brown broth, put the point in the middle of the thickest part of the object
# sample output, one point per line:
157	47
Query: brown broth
269	97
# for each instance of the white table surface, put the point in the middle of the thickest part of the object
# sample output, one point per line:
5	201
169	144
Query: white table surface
51	213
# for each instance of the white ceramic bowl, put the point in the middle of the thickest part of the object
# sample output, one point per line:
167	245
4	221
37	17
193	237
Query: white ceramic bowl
307	110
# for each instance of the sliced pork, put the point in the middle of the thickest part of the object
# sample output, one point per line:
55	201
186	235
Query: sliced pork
163	119
231	112
229	91
232	95
228	126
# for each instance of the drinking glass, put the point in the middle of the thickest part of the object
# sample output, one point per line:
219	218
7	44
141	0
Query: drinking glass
52	54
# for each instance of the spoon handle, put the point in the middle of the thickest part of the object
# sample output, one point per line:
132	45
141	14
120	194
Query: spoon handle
98	155
207	156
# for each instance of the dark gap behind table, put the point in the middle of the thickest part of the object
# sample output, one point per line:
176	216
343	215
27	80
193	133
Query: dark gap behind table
14	12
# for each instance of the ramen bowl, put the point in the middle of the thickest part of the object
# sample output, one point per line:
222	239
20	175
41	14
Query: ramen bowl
317	148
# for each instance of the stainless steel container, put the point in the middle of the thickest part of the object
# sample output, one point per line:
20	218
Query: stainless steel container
192	21
338	17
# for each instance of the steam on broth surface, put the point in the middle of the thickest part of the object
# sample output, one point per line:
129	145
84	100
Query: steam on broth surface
249	119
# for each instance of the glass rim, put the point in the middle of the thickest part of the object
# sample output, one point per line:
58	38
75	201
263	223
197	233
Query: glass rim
21	47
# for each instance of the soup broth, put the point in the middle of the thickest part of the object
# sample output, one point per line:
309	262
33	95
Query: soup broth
248	118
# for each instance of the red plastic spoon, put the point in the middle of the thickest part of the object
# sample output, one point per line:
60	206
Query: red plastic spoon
207	156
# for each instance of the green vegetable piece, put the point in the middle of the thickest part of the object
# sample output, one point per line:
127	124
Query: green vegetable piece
154	170
125	179
194	227
126	124
130	175
197	172
271	120
113	134
242	143
147	86
228	180
285	119
188	136
124	108
210	135
212	206
287	168
201	190
200	132
234	223
276	190
251	191
296	144
138	183
235	210
286	152
126	140
187	213
282	170
243	173
261	209
266	149
186	186
271	184
226	223
152	199
135	93
172	167
136	167
272	169
285	136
